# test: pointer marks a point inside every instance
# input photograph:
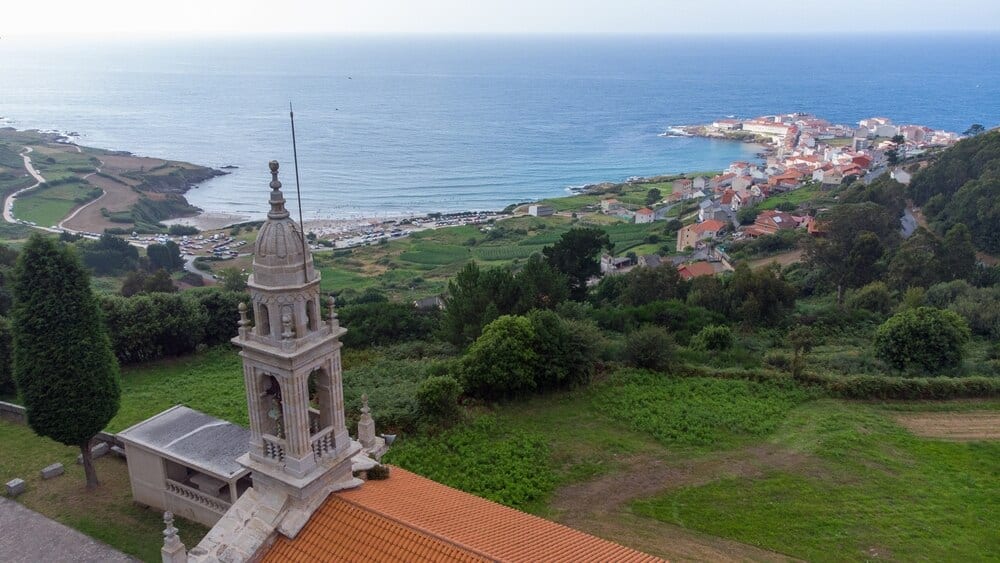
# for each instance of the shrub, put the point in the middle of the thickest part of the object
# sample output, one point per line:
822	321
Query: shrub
379	323
924	337
714	337
501	362
567	351
147	327
437	399
778	360
649	347
874	297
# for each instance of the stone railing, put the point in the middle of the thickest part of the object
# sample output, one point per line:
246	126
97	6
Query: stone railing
274	447
323	444
314	421
194	495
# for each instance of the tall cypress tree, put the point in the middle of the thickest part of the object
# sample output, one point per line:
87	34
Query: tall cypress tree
63	364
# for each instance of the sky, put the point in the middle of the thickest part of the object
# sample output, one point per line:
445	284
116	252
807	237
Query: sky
226	17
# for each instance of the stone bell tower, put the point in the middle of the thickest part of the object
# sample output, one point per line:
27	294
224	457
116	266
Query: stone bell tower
291	366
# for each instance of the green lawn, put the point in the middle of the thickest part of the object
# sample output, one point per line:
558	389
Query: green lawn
876	490
48	206
211	382
107	514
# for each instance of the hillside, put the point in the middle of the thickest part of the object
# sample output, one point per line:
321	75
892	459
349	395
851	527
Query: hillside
963	186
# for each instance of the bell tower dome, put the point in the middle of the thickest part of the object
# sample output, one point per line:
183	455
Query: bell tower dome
299	443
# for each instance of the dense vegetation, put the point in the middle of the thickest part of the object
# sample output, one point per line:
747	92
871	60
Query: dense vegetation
963	186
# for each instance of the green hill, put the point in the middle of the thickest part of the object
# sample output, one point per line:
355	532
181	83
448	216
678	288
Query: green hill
963	186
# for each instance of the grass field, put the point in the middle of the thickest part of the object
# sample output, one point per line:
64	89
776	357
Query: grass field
796	197
47	206
767	464
106	514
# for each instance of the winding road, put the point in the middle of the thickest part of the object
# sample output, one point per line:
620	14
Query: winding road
8	204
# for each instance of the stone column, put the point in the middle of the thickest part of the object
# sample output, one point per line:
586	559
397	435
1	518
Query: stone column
298	454
252	382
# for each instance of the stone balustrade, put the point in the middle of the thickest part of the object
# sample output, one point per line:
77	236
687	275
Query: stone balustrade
323	443
194	495
274	447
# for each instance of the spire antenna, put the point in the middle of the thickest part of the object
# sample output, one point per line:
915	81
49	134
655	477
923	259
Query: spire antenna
298	194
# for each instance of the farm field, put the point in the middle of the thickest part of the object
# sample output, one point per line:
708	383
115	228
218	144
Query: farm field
47	206
421	264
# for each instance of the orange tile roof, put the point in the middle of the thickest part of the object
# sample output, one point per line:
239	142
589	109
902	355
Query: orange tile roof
696	269
410	518
712	225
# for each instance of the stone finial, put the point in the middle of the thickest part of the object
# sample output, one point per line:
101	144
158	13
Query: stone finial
173	550
366	426
278	210
244	322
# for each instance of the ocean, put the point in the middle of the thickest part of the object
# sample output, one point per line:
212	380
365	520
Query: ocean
411	124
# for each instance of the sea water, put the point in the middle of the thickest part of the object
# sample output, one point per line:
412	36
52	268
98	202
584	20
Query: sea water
413	124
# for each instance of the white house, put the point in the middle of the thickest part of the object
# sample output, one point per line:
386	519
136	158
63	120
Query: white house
644	215
540	210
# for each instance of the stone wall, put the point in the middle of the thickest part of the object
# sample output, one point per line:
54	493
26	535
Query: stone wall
13	413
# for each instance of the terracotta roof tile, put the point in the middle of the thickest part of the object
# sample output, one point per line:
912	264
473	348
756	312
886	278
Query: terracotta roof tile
410	518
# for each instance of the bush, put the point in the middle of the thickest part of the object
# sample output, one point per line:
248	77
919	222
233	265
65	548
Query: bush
437	399
874	297
567	351
148	327
778	360
925	337
649	347
714	337
501	362
379	323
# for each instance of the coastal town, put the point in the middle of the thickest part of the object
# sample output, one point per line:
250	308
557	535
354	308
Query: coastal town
800	151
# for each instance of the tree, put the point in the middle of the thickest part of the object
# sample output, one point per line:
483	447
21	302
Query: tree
653	196
437	399
847	255
164	257
974	129
7	386
918	261
959	257
567	350
233	279
645	285
540	286
925	337
575	255
475	298
63	363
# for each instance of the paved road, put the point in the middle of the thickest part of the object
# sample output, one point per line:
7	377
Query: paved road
8	203
28	537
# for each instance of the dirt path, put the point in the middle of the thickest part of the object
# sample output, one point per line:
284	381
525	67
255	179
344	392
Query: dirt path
785	258
600	506
958	426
